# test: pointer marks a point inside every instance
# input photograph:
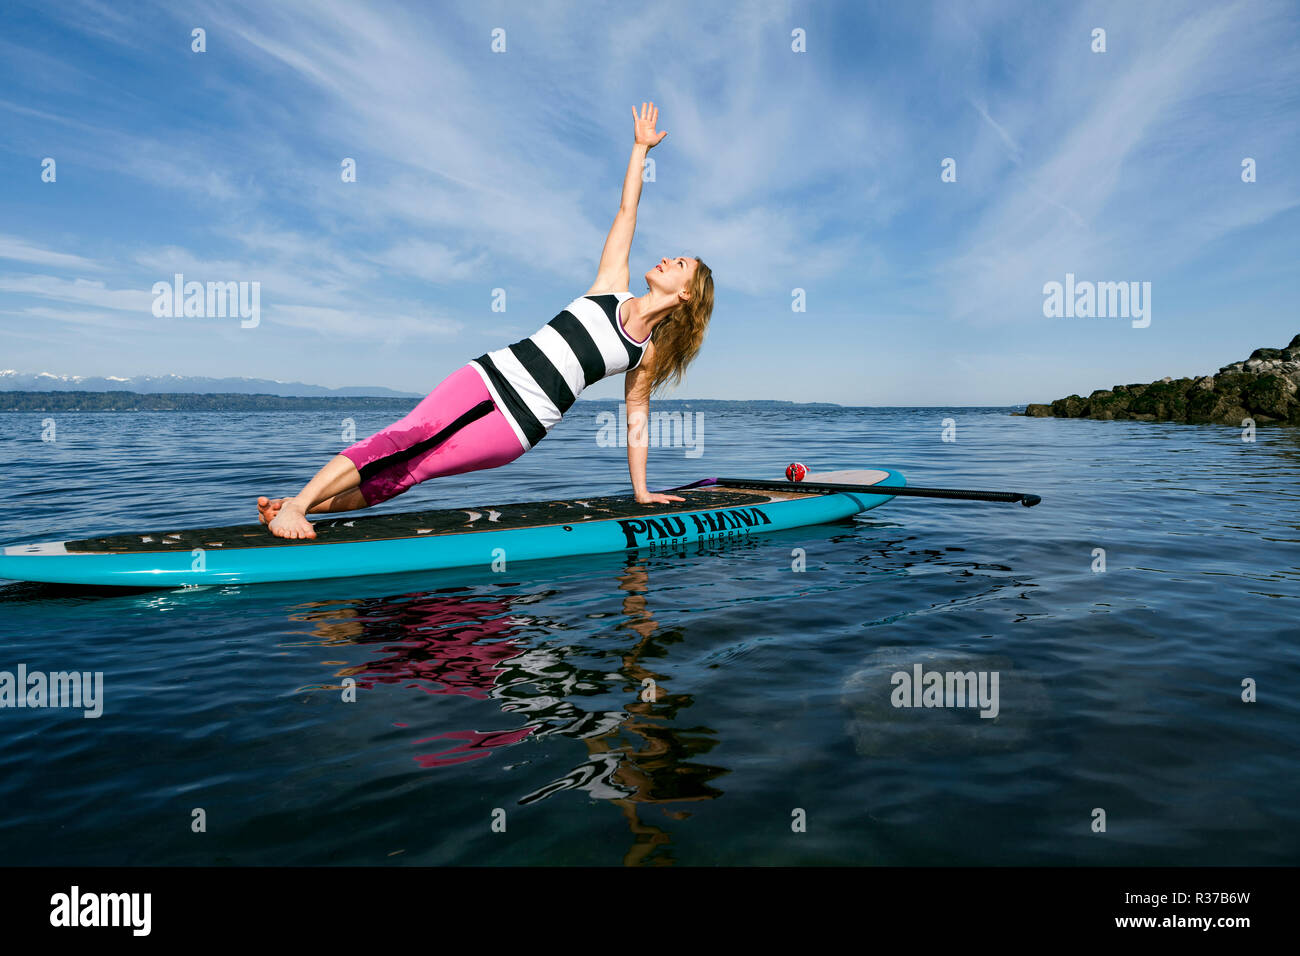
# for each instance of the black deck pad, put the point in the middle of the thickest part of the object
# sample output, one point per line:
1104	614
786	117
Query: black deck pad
418	524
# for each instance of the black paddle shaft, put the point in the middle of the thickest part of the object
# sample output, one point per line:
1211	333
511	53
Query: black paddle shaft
1009	496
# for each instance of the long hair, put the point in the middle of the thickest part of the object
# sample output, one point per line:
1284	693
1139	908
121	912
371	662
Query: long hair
678	337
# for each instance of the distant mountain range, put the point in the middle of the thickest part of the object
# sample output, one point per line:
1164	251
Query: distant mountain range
13	381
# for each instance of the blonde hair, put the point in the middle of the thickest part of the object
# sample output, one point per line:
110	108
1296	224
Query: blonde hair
678	337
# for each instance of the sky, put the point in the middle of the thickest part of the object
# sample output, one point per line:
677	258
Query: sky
806	150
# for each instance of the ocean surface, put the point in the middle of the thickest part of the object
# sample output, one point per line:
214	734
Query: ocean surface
695	708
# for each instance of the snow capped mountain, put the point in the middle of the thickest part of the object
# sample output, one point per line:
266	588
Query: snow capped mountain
12	380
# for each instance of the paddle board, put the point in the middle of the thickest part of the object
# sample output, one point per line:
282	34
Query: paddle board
449	538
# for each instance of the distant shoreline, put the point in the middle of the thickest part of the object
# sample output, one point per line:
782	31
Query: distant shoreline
115	401
122	401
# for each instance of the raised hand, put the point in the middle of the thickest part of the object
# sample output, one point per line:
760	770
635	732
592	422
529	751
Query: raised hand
645	126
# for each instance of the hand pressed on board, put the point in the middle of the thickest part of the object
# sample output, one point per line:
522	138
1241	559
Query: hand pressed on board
645	126
655	498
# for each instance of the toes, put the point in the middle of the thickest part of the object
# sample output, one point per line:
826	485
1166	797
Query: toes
268	509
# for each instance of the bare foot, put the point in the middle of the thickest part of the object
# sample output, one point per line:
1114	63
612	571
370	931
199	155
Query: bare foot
268	508
291	522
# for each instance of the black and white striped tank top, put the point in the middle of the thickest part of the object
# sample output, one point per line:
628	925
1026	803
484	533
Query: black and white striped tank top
535	381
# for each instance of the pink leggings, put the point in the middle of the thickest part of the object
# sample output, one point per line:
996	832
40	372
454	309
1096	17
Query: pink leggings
456	428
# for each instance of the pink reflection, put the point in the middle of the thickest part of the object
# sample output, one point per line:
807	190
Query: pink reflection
472	746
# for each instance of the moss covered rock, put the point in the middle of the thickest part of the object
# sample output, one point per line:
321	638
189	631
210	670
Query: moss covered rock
1071	407
1109	404
1163	401
1265	387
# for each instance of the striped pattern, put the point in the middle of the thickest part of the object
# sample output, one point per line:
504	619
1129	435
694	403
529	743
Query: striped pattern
534	382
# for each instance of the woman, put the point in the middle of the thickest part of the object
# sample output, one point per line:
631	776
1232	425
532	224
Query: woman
494	409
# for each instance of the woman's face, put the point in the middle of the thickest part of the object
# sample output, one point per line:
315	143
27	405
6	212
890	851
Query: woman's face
671	276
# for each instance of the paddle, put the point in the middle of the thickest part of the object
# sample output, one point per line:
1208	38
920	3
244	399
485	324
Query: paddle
1009	496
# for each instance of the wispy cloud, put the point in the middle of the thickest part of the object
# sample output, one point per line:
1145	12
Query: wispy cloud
20	250
478	170
1014	151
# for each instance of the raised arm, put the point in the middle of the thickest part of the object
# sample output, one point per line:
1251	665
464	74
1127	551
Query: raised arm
612	274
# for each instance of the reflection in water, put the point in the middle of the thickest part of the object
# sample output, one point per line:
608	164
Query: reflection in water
457	642
440	645
473	745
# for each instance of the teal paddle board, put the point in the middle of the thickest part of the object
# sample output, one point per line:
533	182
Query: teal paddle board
449	538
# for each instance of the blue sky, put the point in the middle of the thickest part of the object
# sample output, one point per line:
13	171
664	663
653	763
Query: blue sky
817	170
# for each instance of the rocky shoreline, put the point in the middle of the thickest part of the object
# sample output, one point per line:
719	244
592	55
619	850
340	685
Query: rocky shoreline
1265	388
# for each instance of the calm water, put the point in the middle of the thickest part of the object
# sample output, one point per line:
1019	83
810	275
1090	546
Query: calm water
522	691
